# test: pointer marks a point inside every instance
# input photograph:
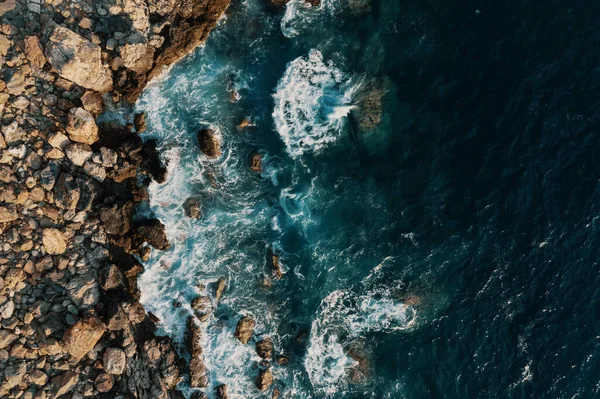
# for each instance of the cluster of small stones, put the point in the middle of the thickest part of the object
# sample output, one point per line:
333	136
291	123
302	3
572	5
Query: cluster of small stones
71	324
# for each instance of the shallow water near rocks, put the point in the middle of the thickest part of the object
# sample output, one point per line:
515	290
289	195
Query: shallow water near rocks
450	250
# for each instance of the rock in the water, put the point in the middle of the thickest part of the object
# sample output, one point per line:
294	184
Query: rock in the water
154	162
77	59
256	162
82	127
82	336
139	121
152	231
221	392
203	307
220	288
54	241
63	384
209	143
104	382
369	110
264	348
244	329
138	57
114	361
192	208
264	379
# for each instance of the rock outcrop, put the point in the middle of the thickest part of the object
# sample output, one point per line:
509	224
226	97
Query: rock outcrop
209	143
245	329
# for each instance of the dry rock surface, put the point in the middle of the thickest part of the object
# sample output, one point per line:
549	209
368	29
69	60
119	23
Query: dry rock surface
71	324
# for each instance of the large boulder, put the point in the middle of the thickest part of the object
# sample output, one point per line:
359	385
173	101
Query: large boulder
77	59
138	57
209	143
152	231
64	383
264	348
114	361
369	111
245	329
264	379
81	126
82	336
84	290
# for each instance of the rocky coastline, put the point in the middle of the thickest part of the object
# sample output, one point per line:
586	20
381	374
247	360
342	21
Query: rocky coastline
71	324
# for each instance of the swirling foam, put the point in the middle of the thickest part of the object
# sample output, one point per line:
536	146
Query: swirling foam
312	102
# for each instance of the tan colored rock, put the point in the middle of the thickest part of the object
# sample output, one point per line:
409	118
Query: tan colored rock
104	382
7	338
78	153
82	336
59	140
54	241
82	127
63	384
138	57
92	102
4	45
8	213
264	379
114	361
38	377
77	59
34	51
13	133
245	329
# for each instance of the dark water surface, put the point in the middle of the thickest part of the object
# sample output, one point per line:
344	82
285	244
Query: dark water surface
456	245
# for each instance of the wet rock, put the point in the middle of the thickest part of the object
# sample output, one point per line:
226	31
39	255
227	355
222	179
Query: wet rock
152	231
138	57
77	59
273	260
209	143
221	392
63	384
139	121
54	241
104	382
34	51
264	348
281	360
81	126
82	336
203	307
114	361
154	162
360	7
256	162
264	379
245	329
220	288
192	208
370	108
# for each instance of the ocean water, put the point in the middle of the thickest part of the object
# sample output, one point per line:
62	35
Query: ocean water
450	250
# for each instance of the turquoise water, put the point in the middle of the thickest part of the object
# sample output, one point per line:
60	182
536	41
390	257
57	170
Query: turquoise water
452	247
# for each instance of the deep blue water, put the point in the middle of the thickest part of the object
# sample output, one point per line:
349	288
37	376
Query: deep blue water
454	246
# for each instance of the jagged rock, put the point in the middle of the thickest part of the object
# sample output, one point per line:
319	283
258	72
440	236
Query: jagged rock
152	231
117	219
139	121
7	309
84	290
13	133
82	336
78	153
59	140
198	373
220	288
7	338
264	379
104	382
138	57
209	143
77	59
82	127
221	392
66	192
54	241
34	51
49	174
256	162
161	355
203	307
114	361
264	348
95	171
92	102
245	329
63	384
109	157
13	374
6	174
154	162
111	278
275	263
15	84
8	213
192	208
38	377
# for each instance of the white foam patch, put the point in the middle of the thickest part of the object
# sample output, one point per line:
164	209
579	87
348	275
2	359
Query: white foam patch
312	103
344	315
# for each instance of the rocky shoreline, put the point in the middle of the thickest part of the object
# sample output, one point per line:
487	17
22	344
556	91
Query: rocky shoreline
71	323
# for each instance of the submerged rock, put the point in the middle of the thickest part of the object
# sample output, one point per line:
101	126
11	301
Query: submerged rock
139	121
245	329
370	108
192	208
220	288
256	162
209	143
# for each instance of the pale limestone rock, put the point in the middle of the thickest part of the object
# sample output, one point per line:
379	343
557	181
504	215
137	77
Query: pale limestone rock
59	140
82	127
77	59
94	170
114	361
137	57
78	153
34	51
13	133
54	241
